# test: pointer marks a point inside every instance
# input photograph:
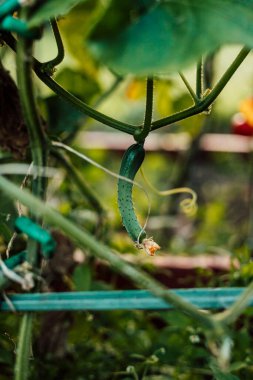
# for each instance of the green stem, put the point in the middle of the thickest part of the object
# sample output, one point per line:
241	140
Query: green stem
149	106
130	129
230	315
24	348
38	151
142	133
199	79
86	240
189	88
49	66
98	101
32	119
209	99
83	107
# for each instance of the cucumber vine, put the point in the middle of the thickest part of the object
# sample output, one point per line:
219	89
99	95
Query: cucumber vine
42	148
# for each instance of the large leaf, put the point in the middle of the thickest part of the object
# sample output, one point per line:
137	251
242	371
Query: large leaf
148	36
74	30
51	8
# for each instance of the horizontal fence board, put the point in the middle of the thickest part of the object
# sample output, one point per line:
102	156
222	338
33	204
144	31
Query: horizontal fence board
209	298
167	142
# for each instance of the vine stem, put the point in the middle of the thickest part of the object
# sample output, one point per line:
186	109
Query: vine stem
189	88
125	127
142	133
231	314
85	240
38	144
199	79
207	100
83	107
38	147
23	355
203	105
50	65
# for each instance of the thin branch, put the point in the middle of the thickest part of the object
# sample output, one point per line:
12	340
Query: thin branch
142	133
24	348
199	79
205	103
83	107
202	106
231	314
38	147
189	88
32	119
49	66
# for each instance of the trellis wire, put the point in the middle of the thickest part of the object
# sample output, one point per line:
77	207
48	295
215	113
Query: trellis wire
203	298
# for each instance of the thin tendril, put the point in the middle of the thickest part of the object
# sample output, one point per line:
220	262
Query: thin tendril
188	206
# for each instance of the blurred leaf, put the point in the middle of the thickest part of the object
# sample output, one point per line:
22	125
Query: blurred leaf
8	214
78	83
5	232
237	366
158	34
63	119
175	318
74	30
6	357
220	375
51	8
82	278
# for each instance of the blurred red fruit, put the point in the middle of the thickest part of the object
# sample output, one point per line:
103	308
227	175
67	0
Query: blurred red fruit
240	126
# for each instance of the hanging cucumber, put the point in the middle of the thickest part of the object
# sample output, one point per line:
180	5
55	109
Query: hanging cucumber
131	162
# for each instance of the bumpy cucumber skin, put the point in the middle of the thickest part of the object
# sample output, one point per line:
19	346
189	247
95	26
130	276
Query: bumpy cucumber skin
131	163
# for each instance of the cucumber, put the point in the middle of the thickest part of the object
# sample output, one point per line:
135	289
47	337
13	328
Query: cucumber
131	163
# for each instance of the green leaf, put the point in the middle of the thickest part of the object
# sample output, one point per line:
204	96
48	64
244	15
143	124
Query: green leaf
51	8
5	231
82	278
63	118
220	375
74	30
150	37
78	83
